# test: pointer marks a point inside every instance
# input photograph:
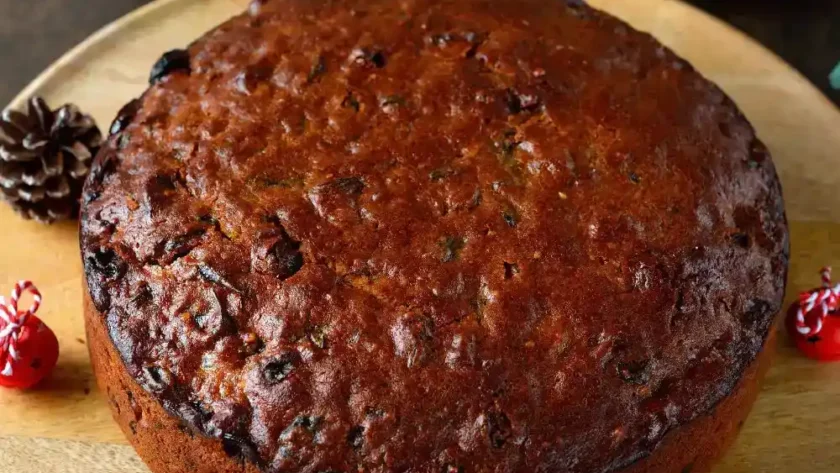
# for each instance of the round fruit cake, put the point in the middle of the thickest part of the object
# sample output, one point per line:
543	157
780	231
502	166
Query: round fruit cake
443	236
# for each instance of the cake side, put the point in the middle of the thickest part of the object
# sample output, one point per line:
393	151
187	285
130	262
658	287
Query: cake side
312	236
163	441
168	445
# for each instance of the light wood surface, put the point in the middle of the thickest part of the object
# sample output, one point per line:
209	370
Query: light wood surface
65	425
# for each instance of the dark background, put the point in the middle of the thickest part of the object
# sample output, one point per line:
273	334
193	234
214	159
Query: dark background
33	33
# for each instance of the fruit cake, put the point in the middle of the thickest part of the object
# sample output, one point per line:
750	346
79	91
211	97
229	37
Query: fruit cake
455	236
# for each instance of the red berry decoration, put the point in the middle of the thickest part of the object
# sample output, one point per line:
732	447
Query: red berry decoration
814	321
28	348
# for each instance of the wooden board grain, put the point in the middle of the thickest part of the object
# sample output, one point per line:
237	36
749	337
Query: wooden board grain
65	426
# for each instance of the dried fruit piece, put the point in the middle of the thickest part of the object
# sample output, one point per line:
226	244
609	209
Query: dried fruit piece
350	101
124	116
371	58
517	102
510	216
105	263
275	252
277	369
338	200
498	428
142	295
356	437
511	270
392	100
102	167
240	448
179	246
633	372
177	60
249	80
318	69
156	378
349	185
452	247
741	239
441	174
318	337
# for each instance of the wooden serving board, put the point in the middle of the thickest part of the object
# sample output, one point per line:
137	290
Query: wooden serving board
65	425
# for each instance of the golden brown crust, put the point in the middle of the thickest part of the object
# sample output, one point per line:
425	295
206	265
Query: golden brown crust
167	445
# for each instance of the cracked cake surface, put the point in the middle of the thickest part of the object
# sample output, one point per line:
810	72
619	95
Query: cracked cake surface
421	235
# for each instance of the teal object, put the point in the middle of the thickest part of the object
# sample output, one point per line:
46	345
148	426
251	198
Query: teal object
834	77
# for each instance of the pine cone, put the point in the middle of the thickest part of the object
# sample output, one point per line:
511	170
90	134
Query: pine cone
45	157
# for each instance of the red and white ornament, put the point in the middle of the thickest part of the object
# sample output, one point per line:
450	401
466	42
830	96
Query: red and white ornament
28	348
814	320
